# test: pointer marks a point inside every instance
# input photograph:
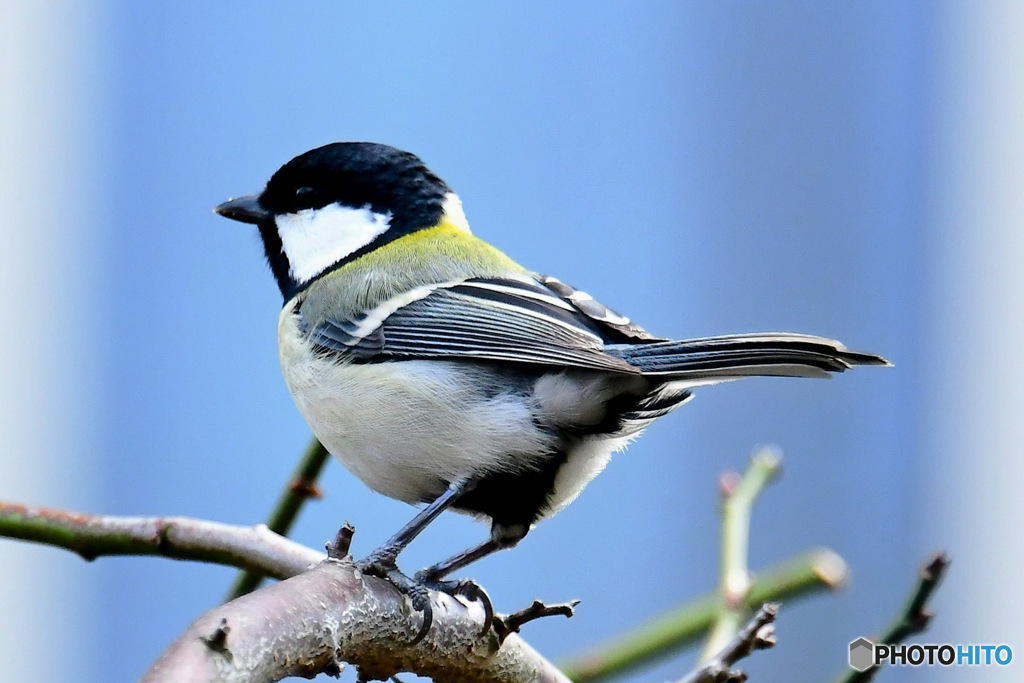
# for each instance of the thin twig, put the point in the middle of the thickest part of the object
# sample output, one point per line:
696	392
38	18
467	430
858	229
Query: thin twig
301	487
912	619
915	616
338	548
738	496
685	624
758	634
506	625
182	538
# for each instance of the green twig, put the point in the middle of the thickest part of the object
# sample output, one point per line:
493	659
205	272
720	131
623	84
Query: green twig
301	487
681	626
738	496
912	619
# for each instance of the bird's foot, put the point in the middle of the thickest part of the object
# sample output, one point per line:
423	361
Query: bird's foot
381	563
507	625
460	587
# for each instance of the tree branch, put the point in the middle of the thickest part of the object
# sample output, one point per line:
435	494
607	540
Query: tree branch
738	496
915	616
314	622
758	634
300	488
254	548
304	625
506	625
912	619
674	629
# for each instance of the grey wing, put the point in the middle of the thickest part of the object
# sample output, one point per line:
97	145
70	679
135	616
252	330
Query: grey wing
615	326
514	320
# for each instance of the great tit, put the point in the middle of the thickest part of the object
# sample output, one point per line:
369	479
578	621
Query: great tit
440	371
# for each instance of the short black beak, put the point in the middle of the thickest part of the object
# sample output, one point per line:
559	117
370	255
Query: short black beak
243	209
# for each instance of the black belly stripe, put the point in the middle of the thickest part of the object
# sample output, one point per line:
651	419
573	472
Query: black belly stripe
514	498
517	498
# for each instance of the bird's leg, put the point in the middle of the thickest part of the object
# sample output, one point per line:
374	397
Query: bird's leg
381	562
458	561
384	557
433	577
502	536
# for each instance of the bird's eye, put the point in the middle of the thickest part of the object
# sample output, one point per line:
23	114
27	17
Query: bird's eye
304	190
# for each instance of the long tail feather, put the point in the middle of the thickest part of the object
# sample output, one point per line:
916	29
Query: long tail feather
715	359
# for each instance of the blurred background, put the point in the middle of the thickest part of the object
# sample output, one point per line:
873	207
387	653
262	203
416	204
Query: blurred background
851	169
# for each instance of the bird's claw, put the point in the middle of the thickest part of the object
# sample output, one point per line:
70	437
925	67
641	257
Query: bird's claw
380	564
461	587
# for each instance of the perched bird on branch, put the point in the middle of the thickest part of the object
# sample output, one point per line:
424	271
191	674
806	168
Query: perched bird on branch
440	371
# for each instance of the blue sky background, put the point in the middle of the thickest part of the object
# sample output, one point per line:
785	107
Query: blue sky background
703	167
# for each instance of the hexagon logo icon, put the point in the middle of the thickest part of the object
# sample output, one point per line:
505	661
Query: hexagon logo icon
862	654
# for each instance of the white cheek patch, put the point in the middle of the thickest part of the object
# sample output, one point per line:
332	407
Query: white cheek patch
316	239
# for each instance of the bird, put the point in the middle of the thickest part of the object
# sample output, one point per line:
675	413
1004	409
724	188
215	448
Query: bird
441	372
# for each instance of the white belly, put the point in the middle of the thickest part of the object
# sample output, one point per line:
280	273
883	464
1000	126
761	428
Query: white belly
408	428
583	462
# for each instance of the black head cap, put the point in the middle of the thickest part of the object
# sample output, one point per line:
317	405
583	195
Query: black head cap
354	174
358	174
